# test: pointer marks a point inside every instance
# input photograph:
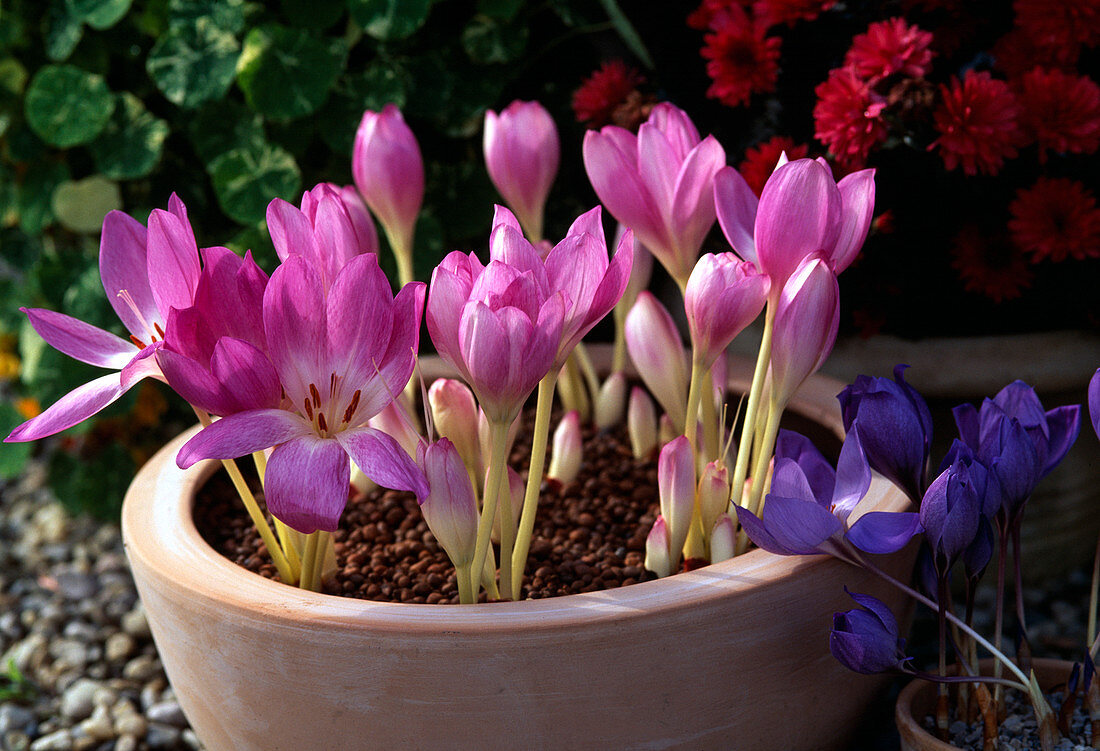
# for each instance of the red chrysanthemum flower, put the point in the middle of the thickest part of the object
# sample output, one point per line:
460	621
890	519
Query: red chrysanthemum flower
848	117
602	92
977	124
741	59
760	160
890	47
989	266
1059	111
702	17
1062	22
1056	219
789	11
1018	51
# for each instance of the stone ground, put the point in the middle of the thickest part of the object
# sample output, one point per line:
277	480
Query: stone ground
78	668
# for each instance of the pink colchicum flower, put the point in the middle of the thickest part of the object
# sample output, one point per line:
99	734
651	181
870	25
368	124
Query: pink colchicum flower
655	347
723	296
454	414
145	274
341	357
800	211
659	183
676	489
389	172
215	351
522	153
806	321
449	506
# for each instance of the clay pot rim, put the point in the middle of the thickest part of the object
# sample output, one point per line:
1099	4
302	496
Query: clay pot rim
161	533
1048	670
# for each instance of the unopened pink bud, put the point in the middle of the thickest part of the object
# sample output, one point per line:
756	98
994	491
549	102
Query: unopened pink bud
454	413
676	488
723	539
568	450
806	322
714	493
655	347
450	508
641	423
389	172
522	154
611	401
656	549
724	295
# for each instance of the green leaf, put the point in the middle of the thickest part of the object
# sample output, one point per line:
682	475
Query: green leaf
487	41
63	31
13	78
390	19
246	179
131	144
314	14
99	14
227	15
502	10
380	84
80	205
12	455
221	126
34	193
67	106
193	63
287	73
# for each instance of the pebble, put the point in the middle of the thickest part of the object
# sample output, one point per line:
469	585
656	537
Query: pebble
135	624
16	718
15	740
99	725
126	743
162	736
77	701
168	713
59	740
118	646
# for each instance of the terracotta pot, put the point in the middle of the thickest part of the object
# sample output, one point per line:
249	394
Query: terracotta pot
730	655
1060	526
917	700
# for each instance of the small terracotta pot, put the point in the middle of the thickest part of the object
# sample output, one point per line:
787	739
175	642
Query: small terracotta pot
918	700
733	655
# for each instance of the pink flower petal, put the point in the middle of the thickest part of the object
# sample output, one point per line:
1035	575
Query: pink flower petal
296	327
291	231
75	407
360	319
307	483
172	261
736	204
122	268
242	434
383	460
857	193
79	340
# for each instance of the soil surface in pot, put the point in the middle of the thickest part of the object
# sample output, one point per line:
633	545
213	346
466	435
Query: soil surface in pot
589	535
1019	729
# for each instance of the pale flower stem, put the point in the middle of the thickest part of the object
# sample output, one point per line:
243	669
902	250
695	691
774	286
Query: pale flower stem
712	428
286	541
534	479
467	592
691	421
760	471
588	370
618	357
309	562
402	253
748	427
324	542
250	505
498	438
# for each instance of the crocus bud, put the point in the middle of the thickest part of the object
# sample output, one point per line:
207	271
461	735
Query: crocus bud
865	639
655	347
676	488
1094	401
395	421
450	508
950	510
565	458
611	401
514	495
806	321
657	558
641	423
389	173
724	295
723	539
714	493
522	154
454	413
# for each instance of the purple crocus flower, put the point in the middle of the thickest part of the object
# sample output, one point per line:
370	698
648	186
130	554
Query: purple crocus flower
341	357
1094	401
866	639
896	428
952	507
145	274
809	505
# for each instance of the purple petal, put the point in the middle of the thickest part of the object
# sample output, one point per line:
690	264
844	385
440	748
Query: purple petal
75	407
883	532
758	533
798	525
122	268
241	434
143	365
790	481
966	419
398	361
79	340
1094	401
246	373
853	475
296	327
1064	424
692	211
172	261
307	483
383	460
360	318
291	231
195	383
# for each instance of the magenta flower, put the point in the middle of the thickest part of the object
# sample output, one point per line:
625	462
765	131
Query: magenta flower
801	211
389	173
522	154
676	491
655	347
806	321
215	352
449	506
659	183
341	357
145	274
499	325
723	296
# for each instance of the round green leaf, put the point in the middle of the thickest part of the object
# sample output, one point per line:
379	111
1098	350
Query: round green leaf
221	126
390	19
504	10
63	31
246	179
487	41
314	14
227	15
193	63
67	106
13	77
380	84
80	205
131	143
287	73
33	195
99	14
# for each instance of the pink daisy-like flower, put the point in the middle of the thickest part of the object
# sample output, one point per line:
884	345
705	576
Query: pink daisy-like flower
977	124
760	160
790	11
603	92
989	266
848	117
890	47
741	59
1060	111
1060	22
1056	219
